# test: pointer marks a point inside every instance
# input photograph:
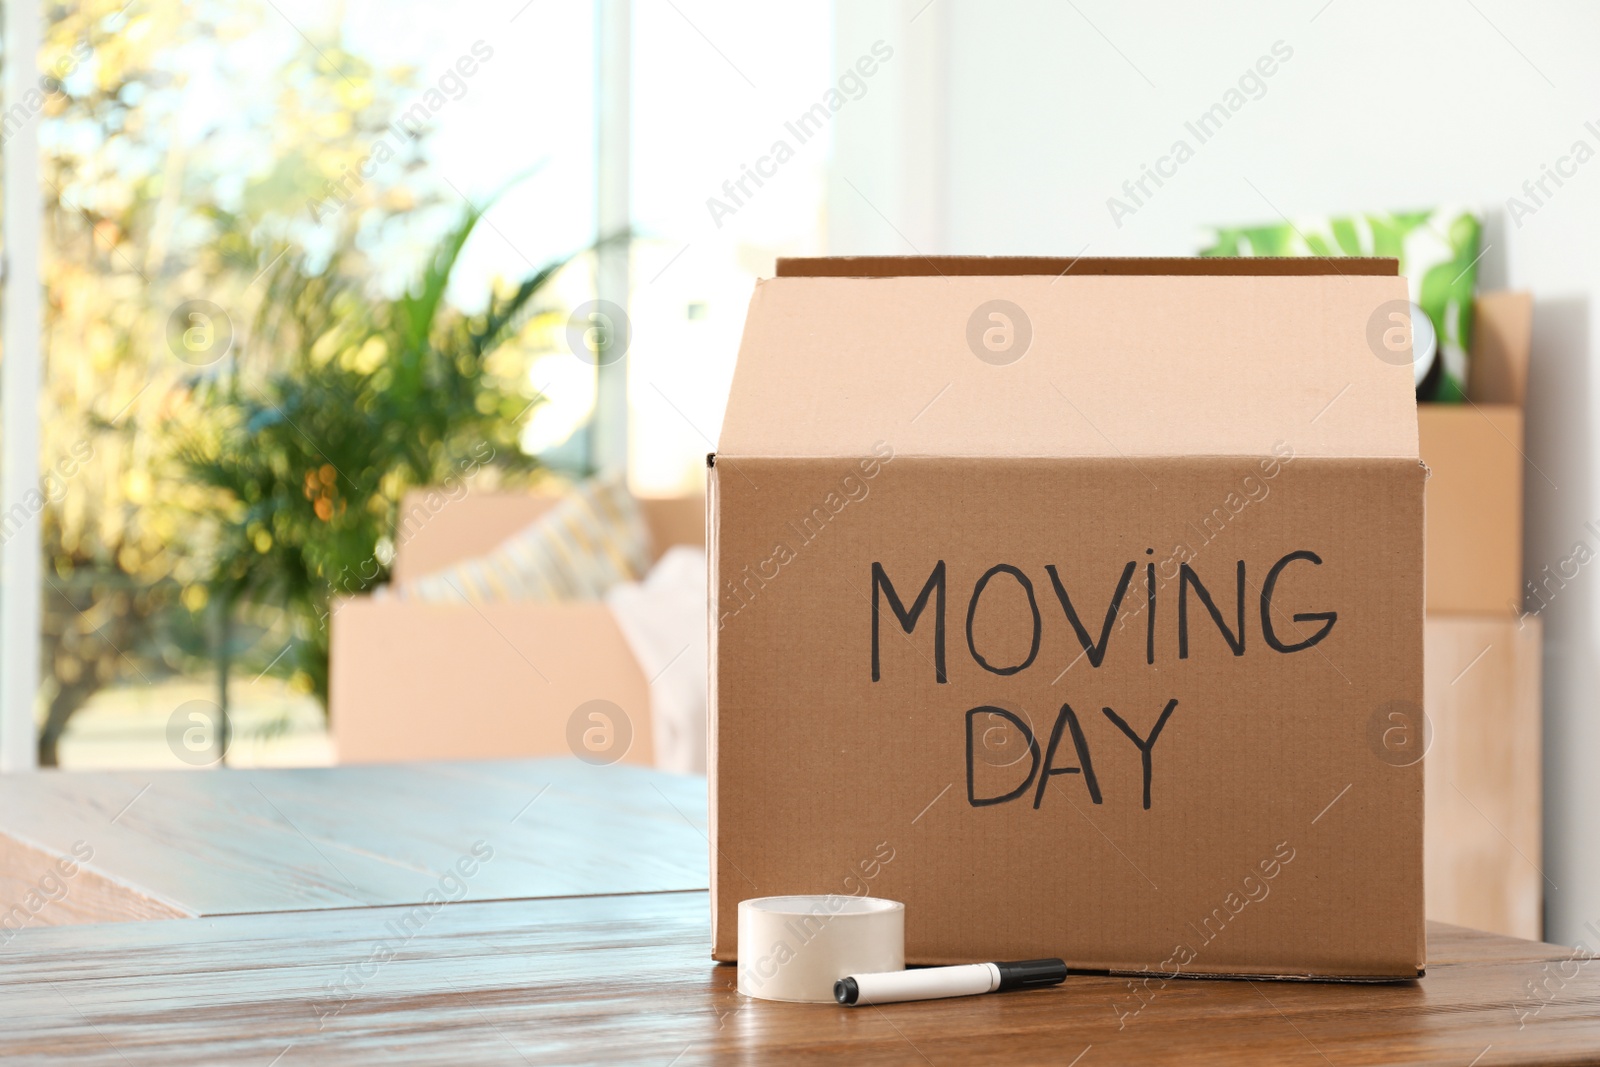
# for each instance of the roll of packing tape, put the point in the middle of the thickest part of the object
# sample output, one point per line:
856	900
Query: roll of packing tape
795	948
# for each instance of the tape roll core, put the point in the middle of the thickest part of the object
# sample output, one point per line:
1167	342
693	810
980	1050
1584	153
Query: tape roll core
794	948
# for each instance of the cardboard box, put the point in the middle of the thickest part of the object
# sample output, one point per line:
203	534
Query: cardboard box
1474	452
1483	850
454	681
1474	458
1483	684
924	461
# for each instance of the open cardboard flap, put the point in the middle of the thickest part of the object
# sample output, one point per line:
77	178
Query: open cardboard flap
1078	605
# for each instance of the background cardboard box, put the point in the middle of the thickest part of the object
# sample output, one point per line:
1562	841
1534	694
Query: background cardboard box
1483	851
1482	690
1474	453
458	681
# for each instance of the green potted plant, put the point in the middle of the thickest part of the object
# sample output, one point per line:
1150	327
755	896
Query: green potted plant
334	406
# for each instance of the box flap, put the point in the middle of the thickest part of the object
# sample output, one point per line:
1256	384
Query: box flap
1502	340
1053	266
1189	357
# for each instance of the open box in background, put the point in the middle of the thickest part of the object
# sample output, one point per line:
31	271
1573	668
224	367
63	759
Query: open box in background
413	680
1474	453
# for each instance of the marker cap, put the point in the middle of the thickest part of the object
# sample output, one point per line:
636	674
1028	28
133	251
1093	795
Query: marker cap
1026	973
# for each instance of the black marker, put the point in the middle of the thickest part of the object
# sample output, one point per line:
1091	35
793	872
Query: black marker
931	983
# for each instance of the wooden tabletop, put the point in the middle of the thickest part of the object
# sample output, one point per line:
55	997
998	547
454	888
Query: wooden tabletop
167	844
623	975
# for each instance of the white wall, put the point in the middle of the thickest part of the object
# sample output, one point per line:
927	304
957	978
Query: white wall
1005	126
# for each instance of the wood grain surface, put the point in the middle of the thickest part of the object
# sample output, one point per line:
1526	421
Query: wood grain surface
201	843
552	913
627	979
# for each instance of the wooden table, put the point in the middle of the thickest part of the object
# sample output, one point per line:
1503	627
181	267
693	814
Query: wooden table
170	844
577	942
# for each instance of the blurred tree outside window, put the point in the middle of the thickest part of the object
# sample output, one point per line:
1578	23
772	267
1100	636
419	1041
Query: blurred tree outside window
265	322
260	330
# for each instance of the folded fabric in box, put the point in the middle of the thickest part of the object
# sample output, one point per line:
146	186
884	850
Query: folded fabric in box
592	540
663	619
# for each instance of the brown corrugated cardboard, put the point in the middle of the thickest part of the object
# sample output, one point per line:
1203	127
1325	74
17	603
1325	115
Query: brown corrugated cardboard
1176	539
1502	342
437	528
411	680
1049	266
434	530
1474	458
1484	868
1475	455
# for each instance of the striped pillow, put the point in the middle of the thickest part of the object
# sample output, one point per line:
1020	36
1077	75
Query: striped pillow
593	539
